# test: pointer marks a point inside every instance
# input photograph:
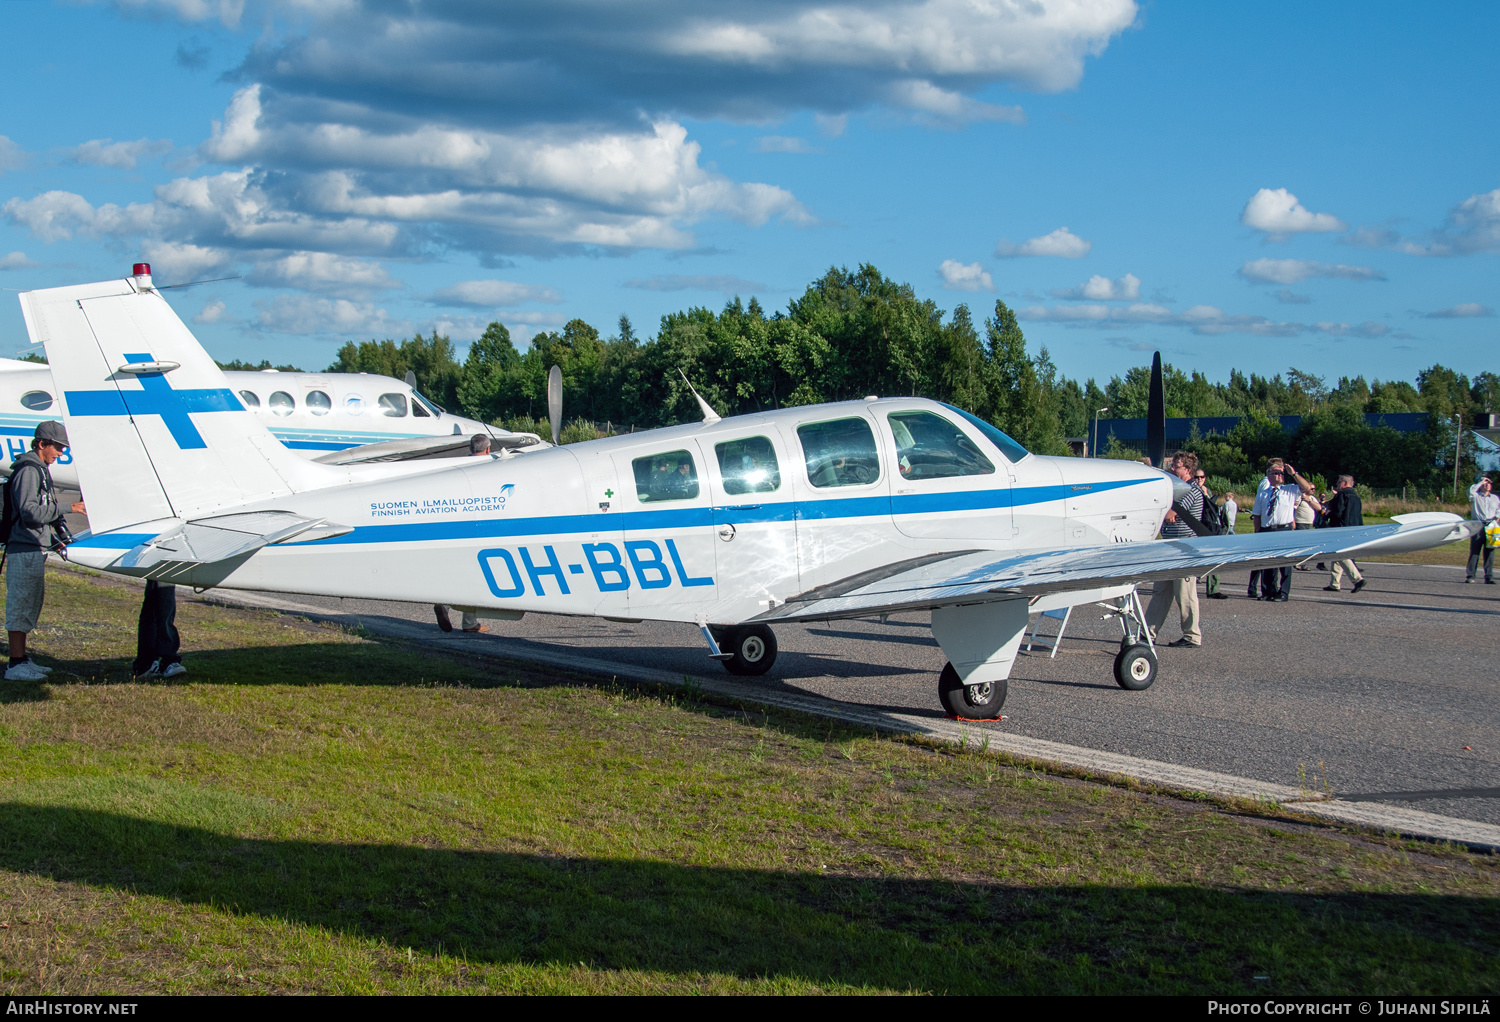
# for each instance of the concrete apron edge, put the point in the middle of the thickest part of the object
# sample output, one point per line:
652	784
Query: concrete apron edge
1411	823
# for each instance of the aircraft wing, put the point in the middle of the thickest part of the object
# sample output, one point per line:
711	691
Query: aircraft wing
412	448
968	576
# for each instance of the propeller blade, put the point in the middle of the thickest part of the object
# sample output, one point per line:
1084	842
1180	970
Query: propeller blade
411	379
554	402
1156	417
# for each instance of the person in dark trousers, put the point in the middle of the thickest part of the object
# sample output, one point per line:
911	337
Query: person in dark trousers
1484	506
34	525
479	447
1275	510
156	639
1343	510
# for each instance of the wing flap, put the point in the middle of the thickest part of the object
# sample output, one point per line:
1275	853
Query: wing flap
987	576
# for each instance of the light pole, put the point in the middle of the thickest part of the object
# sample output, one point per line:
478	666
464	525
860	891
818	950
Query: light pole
1096	429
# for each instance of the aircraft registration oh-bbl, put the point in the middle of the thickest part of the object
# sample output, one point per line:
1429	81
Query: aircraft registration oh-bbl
322	416
829	511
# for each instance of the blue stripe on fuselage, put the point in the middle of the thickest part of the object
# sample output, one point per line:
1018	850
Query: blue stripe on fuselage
690	517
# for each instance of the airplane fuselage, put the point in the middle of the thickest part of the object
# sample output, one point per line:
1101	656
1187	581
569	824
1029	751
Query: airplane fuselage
703	522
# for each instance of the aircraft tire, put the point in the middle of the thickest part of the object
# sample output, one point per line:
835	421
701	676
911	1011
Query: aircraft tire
753	646
978	702
1135	668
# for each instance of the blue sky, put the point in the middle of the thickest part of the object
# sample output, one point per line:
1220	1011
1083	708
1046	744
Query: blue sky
1251	186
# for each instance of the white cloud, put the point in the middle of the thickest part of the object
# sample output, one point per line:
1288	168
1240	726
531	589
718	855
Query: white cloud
1369	328
522	325
1473	226
1467	310
1277	212
1102	289
12	156
722	283
832	125
212	312
1201	319
56	216
783	144
494	293
1286	297
959	276
1292	271
177	262
1062	243
306	314
16	261
106	152
322	271
942	108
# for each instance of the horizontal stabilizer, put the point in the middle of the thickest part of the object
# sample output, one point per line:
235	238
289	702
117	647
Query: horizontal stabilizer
178	553
415	447
989	576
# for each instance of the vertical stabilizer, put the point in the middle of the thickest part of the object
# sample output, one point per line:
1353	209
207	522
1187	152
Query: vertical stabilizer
159	431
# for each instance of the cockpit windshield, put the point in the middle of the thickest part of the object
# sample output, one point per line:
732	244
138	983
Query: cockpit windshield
928	446
1013	451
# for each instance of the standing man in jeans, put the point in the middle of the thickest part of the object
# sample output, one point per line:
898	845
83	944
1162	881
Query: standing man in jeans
1484	506
35	525
1275	510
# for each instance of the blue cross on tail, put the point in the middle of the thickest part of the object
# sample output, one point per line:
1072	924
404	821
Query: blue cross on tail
156	397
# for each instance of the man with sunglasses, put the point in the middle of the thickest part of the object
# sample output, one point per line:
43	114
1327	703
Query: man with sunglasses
34	525
1275	510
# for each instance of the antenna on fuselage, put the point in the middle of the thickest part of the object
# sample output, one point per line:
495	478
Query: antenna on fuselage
709	415
554	402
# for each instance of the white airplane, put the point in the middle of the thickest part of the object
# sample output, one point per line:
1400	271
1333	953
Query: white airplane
321	416
829	511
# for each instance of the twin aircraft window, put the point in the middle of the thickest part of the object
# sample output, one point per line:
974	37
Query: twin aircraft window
36	400
318	402
839	453
281	403
928	446
662	477
748	465
393	405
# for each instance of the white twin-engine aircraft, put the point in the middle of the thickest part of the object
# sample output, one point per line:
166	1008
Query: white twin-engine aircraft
854	509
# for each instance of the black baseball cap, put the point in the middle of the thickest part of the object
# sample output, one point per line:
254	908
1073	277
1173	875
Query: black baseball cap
53	432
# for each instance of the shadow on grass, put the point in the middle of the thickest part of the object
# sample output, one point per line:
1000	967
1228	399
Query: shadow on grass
905	934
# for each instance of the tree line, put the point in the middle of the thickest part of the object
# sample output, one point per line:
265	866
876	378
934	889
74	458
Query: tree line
857	333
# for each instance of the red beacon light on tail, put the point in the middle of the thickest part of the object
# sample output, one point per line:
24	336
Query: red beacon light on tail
142	274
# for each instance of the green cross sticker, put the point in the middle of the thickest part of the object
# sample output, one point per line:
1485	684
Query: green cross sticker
609	493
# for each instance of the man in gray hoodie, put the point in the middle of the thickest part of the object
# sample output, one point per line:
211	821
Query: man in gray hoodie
36	526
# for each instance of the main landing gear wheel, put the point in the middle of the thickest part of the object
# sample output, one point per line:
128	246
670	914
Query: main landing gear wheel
979	702
1135	667
752	648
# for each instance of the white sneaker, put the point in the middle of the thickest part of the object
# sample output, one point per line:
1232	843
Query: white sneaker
25	671
154	671
173	670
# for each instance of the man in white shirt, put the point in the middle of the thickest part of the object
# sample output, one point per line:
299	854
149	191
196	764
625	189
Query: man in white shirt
1484	506
1275	510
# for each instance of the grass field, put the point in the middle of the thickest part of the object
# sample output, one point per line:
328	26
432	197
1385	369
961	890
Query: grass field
314	810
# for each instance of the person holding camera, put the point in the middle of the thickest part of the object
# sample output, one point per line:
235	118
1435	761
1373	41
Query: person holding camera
33	524
1275	510
1484	506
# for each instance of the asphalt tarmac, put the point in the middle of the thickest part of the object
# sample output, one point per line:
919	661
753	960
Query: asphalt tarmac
1389	696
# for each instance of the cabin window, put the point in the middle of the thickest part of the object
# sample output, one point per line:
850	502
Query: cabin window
662	477
1013	451
928	446
393	405
354	404
36	400
839	453
318	402
251	401
748	465
281	403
